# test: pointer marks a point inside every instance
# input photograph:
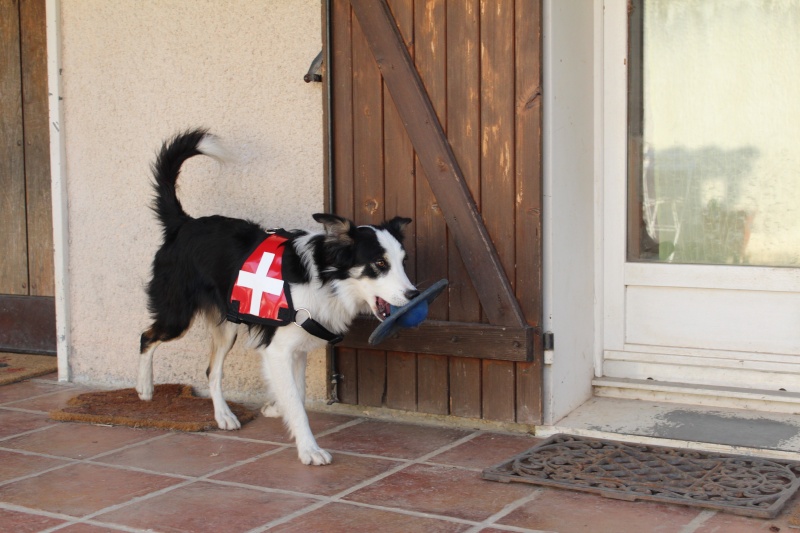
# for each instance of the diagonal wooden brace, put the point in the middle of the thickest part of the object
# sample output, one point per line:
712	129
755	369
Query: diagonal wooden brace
441	168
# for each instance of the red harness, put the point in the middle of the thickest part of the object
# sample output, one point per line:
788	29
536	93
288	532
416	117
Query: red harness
260	294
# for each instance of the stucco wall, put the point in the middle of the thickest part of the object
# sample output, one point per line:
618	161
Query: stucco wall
137	72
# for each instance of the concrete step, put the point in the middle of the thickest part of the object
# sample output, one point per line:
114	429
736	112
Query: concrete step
769	401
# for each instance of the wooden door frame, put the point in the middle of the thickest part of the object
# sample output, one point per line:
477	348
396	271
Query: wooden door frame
58	188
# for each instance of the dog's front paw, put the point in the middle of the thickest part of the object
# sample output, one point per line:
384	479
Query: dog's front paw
227	420
270	410
314	456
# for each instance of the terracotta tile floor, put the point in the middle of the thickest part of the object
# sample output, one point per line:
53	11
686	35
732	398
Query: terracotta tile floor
386	477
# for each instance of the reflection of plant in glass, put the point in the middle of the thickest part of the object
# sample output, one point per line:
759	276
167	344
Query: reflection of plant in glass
695	205
726	233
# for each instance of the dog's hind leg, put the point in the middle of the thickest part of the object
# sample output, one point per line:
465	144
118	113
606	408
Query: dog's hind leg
144	381
160	331
280	364
223	335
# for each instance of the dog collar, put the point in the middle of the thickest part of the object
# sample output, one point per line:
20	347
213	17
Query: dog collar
259	294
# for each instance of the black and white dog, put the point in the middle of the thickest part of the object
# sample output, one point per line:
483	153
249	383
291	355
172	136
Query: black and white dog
333	275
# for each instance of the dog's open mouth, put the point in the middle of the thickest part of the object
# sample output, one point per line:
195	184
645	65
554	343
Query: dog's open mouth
382	308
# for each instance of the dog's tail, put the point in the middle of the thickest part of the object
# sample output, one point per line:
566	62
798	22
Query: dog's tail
174	152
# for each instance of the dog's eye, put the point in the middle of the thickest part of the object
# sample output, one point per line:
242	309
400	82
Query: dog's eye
381	264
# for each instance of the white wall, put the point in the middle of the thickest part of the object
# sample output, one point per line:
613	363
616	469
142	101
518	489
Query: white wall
569	217
135	73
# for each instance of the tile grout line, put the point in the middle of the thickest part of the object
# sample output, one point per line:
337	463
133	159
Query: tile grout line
24	433
13	409
279	447
698	521
35	397
186	482
505	511
340	427
93	460
228	435
338	496
38	512
113	527
65	384
409	512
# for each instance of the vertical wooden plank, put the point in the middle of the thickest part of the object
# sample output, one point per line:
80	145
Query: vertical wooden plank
13	244
371	377
498	184
430	56
497	127
433	384
368	189
498	379
341	73
465	387
33	49
398	152
401	368
528	43
529	159
530	396
368	193
401	381
463	127
347	367
342	106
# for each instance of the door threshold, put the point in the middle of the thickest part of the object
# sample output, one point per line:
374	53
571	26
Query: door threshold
776	401
714	429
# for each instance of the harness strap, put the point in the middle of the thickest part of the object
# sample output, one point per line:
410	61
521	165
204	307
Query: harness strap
316	329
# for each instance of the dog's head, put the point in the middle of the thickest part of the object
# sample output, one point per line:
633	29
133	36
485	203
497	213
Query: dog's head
367	261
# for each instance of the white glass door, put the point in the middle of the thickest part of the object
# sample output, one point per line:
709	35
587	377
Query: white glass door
705	287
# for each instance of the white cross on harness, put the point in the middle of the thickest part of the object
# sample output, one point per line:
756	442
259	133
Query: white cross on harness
260	282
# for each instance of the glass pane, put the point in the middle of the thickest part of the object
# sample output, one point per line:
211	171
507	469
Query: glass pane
714	132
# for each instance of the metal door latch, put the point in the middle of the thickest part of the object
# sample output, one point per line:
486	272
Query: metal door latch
314	70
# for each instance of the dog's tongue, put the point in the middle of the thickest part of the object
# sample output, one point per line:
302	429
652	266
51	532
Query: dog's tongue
384	309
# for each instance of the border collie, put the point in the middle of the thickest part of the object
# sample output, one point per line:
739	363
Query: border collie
333	275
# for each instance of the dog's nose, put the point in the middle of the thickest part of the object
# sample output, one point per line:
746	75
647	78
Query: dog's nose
412	294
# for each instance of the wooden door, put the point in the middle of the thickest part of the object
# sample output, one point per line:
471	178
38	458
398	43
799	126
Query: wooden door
435	114
27	309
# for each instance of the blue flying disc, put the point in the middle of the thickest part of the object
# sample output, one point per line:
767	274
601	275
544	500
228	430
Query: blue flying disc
408	316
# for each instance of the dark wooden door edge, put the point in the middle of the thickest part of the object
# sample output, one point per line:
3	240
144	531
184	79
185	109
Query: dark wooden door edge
458	339
441	168
28	324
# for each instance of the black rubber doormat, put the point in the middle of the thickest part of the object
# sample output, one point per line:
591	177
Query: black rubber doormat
738	484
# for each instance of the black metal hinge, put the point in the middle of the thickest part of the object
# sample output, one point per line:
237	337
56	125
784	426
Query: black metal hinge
548	340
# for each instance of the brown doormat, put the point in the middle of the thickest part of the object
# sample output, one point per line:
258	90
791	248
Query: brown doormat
172	407
737	484
18	366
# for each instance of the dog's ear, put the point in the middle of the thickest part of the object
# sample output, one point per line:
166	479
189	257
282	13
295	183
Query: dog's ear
336	227
397	226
